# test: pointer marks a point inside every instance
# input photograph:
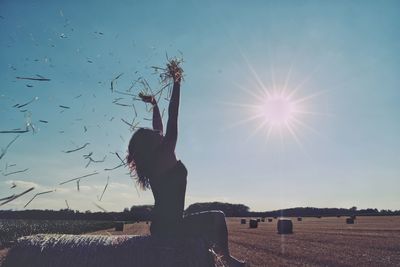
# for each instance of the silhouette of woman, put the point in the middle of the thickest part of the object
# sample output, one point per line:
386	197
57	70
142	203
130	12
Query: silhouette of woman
152	156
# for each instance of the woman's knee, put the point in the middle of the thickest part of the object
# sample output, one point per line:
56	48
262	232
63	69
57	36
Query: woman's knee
218	216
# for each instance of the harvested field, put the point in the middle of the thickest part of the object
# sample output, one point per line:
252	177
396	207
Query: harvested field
371	241
329	241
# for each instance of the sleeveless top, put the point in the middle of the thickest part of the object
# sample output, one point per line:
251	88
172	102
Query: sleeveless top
169	195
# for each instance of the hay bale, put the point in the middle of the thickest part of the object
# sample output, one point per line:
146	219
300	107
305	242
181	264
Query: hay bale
350	220
299	219
253	223
119	226
269	220
285	226
243	221
98	251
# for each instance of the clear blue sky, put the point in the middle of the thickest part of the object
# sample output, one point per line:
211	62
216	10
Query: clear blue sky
346	53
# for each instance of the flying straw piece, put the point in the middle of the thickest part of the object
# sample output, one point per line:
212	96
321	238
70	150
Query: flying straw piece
123	93
105	187
77	149
16	131
7	198
130	125
123	105
113	80
10	173
134	109
17	196
78	178
98	206
66	202
92	160
34	79
114	167
65	107
4	151
38	194
77	185
123	162
27	103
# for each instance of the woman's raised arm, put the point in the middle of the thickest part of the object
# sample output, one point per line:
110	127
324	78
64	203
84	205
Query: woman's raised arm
157	121
171	135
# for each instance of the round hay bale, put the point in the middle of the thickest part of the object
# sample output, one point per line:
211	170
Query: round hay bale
243	221
285	226
253	223
102	251
299	219
350	220
269	220
119	226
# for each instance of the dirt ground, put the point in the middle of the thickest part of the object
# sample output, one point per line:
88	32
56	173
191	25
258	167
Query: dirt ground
371	241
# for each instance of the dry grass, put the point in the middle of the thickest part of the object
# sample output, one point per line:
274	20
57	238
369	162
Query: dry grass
371	241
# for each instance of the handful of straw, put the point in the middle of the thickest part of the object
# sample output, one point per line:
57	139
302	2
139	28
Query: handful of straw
173	71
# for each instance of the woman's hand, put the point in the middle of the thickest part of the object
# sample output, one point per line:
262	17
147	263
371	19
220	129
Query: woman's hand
148	98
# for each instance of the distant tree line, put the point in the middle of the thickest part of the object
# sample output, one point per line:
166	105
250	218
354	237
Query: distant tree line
240	210
143	212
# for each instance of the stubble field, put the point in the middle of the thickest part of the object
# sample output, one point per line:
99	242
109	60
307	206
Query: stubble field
371	241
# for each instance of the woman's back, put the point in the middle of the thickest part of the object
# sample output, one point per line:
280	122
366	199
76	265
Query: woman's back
169	194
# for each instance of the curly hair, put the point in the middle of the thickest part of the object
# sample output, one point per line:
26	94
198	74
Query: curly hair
138	156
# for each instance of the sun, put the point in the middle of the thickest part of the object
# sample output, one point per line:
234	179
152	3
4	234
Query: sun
277	110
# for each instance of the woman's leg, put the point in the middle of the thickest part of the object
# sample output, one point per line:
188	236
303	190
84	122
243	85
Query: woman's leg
211	226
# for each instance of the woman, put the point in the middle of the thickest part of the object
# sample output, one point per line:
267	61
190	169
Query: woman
152	156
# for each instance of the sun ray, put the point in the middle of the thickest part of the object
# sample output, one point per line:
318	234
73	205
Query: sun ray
300	100
258	128
244	121
306	80
313	113
240	105
287	79
249	92
305	125
268	134
296	138
254	73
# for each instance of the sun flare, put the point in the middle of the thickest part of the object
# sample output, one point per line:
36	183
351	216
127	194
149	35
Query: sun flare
277	110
